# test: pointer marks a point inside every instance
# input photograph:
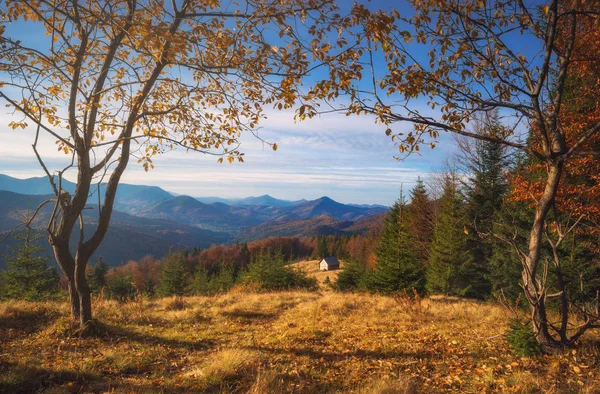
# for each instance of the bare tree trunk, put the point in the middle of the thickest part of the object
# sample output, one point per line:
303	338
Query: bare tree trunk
83	292
534	286
73	300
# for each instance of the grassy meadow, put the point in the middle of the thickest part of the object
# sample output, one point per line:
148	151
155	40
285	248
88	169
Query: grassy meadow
287	342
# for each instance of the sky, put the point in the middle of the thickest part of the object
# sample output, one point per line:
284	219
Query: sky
349	159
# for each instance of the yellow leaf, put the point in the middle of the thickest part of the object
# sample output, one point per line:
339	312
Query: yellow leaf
275	146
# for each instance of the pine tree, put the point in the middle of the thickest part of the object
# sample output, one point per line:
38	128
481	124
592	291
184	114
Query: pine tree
173	278
201	282
96	276
28	275
420	214
487	165
322	248
352	277
398	266
449	269
119	285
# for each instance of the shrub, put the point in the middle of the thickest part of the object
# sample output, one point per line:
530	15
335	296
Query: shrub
521	338
271	272
120	286
28	276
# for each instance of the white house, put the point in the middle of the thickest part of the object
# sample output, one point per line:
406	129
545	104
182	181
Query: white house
329	264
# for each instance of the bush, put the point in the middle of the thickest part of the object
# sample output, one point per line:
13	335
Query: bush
352	277
119	286
28	276
271	272
521	338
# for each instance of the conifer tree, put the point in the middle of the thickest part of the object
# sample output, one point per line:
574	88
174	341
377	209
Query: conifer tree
173	278
96	276
352	277
28	275
420	214
201	281
322	248
398	266
450	265
487	165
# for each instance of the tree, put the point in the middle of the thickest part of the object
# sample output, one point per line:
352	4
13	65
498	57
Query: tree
515	57
173	280
28	276
450	269
96	276
119	285
487	164
271	272
398	266
420	215
112	79
352	277
322	247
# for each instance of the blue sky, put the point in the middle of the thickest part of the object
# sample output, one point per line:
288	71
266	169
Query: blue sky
346	158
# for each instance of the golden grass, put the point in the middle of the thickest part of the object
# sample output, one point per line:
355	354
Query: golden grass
246	342
311	268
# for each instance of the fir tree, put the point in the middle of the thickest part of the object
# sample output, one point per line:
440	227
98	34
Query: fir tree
398	266
173	278
421	219
96	276
225	279
28	276
322	248
119	286
201	281
352	277
450	266
487	165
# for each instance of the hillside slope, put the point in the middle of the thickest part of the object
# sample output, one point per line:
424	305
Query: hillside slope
289	342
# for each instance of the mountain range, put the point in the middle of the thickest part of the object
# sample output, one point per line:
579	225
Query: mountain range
150	220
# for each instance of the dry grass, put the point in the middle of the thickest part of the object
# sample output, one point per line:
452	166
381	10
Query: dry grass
311	268
296	342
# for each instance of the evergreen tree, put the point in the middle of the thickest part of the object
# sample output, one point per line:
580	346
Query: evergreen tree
96	276
450	266
420	214
322	248
173	278
225	279
270	270
28	276
119	286
352	277
486	189
201	281
398	266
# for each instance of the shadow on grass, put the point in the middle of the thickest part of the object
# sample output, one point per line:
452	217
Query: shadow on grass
18	378
28	322
246	315
118	332
341	356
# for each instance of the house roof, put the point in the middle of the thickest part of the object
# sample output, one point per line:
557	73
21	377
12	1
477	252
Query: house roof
331	260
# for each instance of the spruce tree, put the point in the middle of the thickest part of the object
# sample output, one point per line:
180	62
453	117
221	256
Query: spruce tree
450	266
173	278
322	248
352	277
398	266
420	214
28	275
486	189
96	276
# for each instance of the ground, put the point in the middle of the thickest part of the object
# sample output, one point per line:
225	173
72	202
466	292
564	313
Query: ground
311	267
289	342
